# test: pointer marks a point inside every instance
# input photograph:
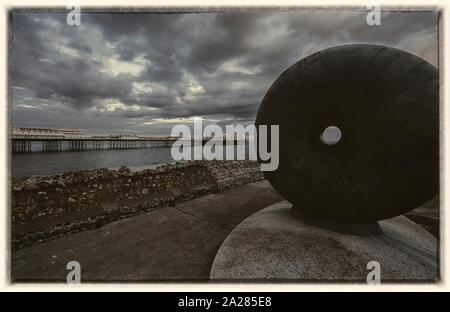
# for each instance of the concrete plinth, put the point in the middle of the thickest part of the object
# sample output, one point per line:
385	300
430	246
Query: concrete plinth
272	244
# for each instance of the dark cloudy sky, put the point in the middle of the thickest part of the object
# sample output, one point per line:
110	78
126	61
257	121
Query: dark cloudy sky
143	73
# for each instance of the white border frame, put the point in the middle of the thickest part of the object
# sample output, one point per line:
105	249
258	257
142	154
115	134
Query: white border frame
5	254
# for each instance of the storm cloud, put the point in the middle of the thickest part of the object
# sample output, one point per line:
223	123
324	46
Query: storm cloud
141	73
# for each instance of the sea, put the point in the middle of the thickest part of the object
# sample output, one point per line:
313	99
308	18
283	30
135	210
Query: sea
45	163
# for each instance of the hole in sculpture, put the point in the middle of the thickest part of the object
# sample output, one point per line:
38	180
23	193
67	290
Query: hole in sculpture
331	135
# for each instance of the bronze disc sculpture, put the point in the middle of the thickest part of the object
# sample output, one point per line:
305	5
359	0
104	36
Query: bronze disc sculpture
382	104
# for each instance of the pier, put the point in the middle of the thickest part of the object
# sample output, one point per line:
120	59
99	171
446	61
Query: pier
25	140
47	144
26	144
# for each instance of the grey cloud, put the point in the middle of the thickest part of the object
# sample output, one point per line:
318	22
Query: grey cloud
207	64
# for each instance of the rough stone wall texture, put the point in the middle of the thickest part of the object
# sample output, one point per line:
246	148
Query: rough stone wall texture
45	207
234	173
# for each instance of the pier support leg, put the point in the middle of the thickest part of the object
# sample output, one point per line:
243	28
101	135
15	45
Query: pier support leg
51	146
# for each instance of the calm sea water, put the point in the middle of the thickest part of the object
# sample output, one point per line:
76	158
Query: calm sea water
39	163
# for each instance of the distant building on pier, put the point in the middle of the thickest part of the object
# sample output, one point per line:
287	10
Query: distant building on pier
71	132
128	137
16	131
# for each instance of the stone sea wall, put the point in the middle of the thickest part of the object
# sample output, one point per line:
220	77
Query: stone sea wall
46	207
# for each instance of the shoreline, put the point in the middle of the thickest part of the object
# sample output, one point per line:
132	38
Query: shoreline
50	206
132	169
45	207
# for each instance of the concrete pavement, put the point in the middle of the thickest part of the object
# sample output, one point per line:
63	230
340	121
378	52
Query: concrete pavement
169	244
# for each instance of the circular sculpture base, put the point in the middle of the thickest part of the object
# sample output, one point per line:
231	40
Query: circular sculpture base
272	245
365	229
